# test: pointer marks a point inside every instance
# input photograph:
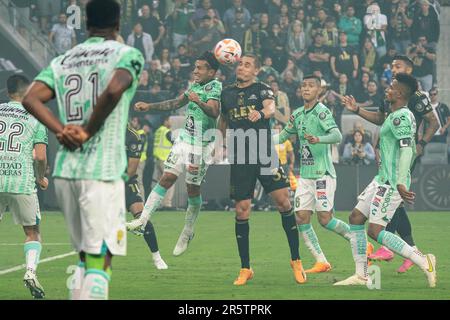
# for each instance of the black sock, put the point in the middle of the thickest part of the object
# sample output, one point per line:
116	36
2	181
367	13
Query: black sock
290	227
404	226
150	237
393	224
242	229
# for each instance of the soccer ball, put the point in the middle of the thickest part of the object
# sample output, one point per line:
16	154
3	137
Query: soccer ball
228	51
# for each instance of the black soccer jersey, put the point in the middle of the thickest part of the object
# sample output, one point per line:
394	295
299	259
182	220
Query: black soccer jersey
134	143
236	105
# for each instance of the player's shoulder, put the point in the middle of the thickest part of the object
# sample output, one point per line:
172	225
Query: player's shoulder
402	117
297	112
133	134
213	85
322	110
228	88
419	102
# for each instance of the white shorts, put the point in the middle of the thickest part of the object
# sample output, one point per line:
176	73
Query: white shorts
24	208
378	203
95	214
194	159
315	194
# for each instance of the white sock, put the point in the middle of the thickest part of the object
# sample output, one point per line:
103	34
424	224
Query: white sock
153	202
193	209
311	242
95	285
358	242
32	251
76	282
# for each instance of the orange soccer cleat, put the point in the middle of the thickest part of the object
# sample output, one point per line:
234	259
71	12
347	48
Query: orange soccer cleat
244	275
299	273
319	267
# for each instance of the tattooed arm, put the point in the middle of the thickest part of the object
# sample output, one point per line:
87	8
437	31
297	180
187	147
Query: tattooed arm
168	105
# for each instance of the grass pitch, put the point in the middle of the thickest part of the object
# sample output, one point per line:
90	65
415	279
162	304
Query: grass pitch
207	269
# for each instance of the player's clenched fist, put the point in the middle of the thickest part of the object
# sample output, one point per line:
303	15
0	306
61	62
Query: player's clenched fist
142	106
43	183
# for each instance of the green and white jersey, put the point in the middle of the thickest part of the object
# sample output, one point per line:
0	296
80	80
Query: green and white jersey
399	125
19	132
197	121
78	77
315	159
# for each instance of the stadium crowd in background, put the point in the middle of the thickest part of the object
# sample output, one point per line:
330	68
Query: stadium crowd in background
349	44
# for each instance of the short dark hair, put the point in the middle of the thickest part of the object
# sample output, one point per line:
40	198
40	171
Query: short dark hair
103	14
17	83
405	59
209	57
408	82
313	77
255	58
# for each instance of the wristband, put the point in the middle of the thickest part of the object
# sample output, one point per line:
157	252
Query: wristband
357	111
423	143
262	115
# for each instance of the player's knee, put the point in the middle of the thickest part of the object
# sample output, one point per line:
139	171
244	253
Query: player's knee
324	218
32	233
356	217
193	190
167	180
243	211
373	232
303	217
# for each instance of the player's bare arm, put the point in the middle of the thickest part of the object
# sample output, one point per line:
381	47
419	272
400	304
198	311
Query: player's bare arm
211	107
133	164
40	165
432	127
371	116
168	105
267	112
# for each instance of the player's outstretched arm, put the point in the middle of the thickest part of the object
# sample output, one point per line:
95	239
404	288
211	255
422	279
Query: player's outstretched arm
371	116
211	107
168	105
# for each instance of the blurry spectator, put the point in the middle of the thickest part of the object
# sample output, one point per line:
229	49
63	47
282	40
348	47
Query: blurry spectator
284	24
155	75
282	111
400	24
255	40
276	45
319	25
362	85
358	152
237	28
141	41
330	33
230	14
297	100
143	85
376	24
185	59
176	72
442	113
153	26
216	22
289	85
202	11
62	35
344	59
306	24
205	37
368	57
387	59
423	58
386	76
426	23
169	86
165	60
357	126
285	153
47	9
319	57
313	11
343	87
296	71
296	42
267	70
129	11
274	9
372	97
20	9
264	23
351	25
181	21
156	94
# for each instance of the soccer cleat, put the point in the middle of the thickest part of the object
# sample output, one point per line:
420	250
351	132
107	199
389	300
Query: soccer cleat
135	226
244	275
430	271
31	282
406	265
160	264
183	242
319	267
369	251
299	273
382	254
354	280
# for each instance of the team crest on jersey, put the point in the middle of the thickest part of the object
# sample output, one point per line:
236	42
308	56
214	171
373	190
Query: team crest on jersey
253	97
321	184
133	147
322	115
396	121
381	191
208	87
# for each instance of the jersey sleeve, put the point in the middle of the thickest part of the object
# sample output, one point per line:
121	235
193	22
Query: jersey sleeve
213	91
326	120
135	146
41	134
133	61
402	126
47	76
266	93
419	104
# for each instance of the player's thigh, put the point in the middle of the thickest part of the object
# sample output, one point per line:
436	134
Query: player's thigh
273	180
365	198
324	193
198	164
383	204
243	181
304	199
24	208
67	197
175	161
132	193
102	208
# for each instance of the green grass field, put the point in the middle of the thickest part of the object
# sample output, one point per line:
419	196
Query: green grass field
208	268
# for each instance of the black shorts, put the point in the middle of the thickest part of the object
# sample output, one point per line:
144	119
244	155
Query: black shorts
132	192
243	180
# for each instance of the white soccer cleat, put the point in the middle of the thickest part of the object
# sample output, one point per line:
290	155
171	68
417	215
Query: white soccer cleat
136	226
160	264
354	280
183	242
430	271
31	282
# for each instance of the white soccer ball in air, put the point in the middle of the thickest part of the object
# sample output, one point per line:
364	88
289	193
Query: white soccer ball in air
228	51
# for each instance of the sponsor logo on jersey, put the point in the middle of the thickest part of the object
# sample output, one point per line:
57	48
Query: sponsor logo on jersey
190	125
376	202
321	195
307	157
321	184
381	191
253	97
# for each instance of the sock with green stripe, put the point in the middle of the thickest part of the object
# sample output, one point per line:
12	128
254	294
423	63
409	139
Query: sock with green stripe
76	281
311	241
193	209
340	227
396	244
32	251
153	201
290	228
96	279
358	242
